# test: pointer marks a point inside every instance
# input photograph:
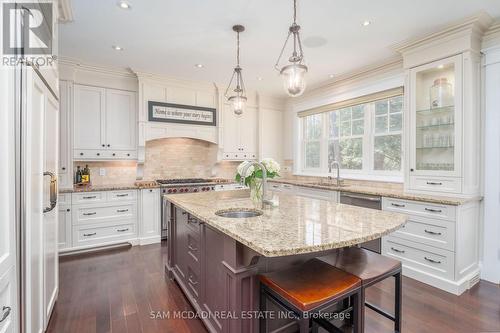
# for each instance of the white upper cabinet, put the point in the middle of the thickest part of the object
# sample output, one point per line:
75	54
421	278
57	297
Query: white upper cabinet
435	115
443	113
120	119
88	117
104	123
239	134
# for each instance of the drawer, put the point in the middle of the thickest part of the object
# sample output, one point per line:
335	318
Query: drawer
100	235
123	154
194	226
89	154
419	208
437	233
193	250
193	282
105	213
64	199
420	257
239	156
124	195
314	193
88	197
436	184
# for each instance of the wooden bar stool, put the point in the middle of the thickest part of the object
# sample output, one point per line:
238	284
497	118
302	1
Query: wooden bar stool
308	289
371	268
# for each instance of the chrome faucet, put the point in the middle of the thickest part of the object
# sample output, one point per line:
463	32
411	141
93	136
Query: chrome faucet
332	165
265	202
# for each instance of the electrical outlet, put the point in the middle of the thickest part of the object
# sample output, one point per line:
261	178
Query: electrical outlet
102	172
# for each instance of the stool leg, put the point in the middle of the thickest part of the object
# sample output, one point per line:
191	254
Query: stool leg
398	302
304	325
262	307
362	309
357	312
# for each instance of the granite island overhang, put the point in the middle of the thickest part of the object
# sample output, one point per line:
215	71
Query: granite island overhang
216	260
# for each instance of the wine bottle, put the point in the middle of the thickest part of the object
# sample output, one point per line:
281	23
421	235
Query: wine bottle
86	175
78	176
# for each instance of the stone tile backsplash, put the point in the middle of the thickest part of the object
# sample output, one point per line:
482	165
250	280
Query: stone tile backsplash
166	158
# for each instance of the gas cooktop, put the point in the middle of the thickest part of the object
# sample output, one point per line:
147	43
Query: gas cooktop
181	181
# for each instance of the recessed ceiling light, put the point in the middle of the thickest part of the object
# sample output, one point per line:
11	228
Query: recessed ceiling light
117	48
198	65
260	78
331	76
124	5
366	23
440	66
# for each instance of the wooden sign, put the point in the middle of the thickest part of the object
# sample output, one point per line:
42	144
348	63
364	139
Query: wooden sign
181	114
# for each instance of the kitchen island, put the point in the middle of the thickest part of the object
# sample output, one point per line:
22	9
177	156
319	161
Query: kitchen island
216	259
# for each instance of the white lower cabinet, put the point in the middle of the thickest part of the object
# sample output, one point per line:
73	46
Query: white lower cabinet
149	216
64	228
438	245
101	218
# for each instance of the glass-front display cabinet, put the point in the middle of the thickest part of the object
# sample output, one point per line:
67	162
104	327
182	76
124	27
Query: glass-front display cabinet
435	119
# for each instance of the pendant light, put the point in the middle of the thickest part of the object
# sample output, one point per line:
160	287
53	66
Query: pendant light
238	99
294	73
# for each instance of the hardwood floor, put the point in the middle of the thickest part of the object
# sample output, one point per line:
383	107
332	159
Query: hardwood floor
115	291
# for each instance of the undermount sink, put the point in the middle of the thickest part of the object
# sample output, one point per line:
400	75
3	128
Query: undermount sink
238	213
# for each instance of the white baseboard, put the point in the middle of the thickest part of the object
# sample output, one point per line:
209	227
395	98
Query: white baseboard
454	287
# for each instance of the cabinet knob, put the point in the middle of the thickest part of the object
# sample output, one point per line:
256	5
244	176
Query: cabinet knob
412	170
109	145
67	209
64	168
103	145
114	154
128	154
81	154
98	154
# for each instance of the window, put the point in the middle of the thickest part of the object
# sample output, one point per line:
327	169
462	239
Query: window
312	141
387	137
363	138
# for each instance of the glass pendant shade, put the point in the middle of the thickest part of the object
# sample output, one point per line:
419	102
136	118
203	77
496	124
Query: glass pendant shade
238	104
294	80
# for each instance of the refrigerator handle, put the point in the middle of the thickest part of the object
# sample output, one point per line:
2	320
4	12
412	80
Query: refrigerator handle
53	191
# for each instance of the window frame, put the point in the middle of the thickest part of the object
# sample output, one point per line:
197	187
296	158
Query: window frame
368	159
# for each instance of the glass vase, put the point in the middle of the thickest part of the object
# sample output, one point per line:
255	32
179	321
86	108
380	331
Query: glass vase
256	192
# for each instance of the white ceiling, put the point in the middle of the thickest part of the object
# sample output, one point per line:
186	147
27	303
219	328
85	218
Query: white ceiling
169	36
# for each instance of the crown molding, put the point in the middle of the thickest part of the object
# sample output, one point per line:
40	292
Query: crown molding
65	11
353	77
79	65
474	24
491	37
169	80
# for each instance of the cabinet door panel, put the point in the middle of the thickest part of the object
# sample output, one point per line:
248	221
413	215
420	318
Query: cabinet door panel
248	130
181	244
64	229
88	117
231	130
120	119
150	209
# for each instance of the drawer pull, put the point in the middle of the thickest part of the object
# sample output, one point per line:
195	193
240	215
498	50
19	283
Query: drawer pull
397	250
88	214
122	195
432	232
122	230
434	183
194	283
121	210
433	210
88	235
184	213
192	248
398	205
90	197
432	260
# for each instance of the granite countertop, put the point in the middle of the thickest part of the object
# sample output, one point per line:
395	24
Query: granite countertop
381	191
298	225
